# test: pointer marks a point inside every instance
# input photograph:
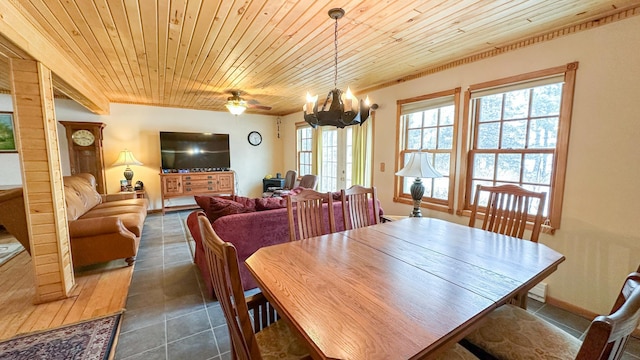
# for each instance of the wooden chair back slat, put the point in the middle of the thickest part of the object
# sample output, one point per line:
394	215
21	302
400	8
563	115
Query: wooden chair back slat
507	210
306	214
356	207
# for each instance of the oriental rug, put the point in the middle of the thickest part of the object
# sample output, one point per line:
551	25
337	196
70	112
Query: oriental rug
87	340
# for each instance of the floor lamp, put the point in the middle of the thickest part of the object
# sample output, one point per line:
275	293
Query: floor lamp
420	167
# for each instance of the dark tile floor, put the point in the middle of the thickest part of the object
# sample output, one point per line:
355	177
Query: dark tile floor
169	315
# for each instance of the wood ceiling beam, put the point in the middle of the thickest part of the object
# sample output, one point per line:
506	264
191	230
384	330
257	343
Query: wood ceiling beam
21	38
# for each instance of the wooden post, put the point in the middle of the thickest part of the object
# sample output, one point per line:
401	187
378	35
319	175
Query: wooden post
37	143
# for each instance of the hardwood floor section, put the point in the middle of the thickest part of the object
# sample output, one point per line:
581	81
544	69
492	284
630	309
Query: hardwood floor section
100	291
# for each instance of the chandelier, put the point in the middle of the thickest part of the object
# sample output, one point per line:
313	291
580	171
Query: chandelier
339	109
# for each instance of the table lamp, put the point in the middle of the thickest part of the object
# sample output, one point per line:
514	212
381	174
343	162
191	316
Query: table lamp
126	158
418	166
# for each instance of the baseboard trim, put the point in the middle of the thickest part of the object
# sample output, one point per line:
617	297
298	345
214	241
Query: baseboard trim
589	315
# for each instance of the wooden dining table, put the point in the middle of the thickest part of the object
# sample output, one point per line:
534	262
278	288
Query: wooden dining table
406	289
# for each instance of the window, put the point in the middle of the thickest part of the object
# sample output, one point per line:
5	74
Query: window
428	123
519	134
305	149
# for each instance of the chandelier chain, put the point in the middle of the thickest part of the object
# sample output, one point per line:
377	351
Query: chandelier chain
335	42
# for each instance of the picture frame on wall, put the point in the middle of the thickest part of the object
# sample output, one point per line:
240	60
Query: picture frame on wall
7	133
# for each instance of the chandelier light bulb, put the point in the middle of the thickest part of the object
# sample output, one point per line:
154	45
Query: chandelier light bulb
311	100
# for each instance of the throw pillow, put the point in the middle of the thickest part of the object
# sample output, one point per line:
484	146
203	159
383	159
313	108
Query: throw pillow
202	201
218	207
248	203
270	203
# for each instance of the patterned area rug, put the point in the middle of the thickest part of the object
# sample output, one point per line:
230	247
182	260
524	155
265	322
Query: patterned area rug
9	247
87	340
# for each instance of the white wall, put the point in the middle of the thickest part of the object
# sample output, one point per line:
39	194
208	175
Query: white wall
600	232
136	128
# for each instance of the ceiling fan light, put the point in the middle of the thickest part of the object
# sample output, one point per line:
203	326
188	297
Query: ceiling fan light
235	108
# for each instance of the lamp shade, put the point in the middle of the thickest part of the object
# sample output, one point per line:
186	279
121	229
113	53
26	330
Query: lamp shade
126	158
419	166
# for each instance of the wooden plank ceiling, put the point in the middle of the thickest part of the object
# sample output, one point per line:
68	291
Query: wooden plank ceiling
192	53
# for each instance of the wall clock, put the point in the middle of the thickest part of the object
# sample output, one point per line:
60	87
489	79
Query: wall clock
255	138
83	137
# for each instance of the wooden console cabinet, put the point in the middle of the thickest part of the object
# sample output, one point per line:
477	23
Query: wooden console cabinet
199	183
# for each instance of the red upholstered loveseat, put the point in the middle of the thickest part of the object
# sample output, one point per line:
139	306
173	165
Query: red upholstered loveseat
248	231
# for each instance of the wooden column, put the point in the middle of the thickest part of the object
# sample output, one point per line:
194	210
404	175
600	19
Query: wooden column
37	143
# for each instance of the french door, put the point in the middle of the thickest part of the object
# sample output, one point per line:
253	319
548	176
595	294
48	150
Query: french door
336	168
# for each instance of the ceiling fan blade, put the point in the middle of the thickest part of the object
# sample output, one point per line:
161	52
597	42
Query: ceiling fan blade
259	107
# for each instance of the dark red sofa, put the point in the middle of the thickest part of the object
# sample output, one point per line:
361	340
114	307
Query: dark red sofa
248	231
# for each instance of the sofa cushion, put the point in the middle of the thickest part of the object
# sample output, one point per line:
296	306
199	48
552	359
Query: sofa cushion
80	196
125	202
132	219
271	203
215	207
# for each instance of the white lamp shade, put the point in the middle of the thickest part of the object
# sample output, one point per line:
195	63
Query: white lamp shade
126	158
419	166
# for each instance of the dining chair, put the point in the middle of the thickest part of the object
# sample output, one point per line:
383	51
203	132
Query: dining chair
513	333
360	207
508	209
257	337
306	211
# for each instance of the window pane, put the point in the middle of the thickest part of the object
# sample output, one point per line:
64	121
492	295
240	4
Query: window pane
431	117
446	115
488	135
543	133
537	168
484	166
428	187
514	134
441	188
407	185
429	138
413	139
516	104
484	196
509	167
414	121
533	209
490	107
442	163
445	137
546	100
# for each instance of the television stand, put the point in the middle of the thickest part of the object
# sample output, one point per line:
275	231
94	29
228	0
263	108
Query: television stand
179	185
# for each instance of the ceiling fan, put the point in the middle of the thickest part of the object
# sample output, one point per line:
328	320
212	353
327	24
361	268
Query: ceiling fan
237	105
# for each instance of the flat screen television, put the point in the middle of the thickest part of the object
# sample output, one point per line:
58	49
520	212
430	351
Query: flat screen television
183	151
